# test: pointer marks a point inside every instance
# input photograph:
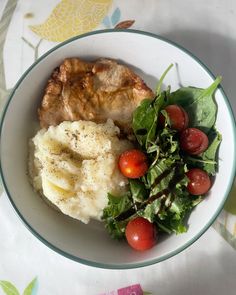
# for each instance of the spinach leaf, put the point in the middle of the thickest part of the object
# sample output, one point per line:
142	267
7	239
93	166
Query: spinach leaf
157	105
199	104
144	119
138	191
210	154
159	85
208	159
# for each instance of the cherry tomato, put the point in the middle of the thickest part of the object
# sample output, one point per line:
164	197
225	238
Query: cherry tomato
199	182
193	141
178	117
141	234
133	163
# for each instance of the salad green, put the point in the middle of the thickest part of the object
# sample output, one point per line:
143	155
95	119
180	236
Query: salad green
161	195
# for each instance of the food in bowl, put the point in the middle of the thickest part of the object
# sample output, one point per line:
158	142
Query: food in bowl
179	143
74	165
95	91
159	181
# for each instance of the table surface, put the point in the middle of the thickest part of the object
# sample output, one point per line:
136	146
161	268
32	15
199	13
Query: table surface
207	28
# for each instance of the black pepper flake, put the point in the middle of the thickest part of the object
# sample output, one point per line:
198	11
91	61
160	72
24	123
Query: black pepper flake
74	136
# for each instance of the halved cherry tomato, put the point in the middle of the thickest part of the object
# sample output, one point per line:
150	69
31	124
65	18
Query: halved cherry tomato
193	141
141	234
199	182
133	163
178	117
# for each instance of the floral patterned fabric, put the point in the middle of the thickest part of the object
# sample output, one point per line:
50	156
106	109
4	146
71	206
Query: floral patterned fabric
30	28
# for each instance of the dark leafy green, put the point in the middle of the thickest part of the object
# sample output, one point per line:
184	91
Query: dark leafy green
159	84
199	104
144	120
151	210
116	205
160	176
208	160
172	223
146	115
161	196
138	190
175	218
116	229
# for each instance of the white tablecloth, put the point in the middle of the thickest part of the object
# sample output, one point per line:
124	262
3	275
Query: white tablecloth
207	28
207	267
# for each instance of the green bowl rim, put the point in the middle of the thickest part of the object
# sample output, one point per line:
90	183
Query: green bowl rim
130	265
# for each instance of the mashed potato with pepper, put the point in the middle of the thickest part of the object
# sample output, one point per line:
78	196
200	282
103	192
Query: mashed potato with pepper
74	165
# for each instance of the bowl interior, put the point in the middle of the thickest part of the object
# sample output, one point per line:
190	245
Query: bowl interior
149	57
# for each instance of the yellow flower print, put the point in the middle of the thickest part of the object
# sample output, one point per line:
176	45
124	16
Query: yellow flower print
72	17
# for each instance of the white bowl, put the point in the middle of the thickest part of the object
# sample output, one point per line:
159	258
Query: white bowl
149	55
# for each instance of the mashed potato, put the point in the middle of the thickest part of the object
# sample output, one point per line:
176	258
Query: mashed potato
74	165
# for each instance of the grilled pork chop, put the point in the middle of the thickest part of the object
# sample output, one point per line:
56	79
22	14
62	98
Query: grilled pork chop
94	91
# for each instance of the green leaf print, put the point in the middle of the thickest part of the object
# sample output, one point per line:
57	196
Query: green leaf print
30	289
9	288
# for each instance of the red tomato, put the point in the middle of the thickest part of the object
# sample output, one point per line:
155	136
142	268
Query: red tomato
133	163
199	182
193	141
178	117
141	234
